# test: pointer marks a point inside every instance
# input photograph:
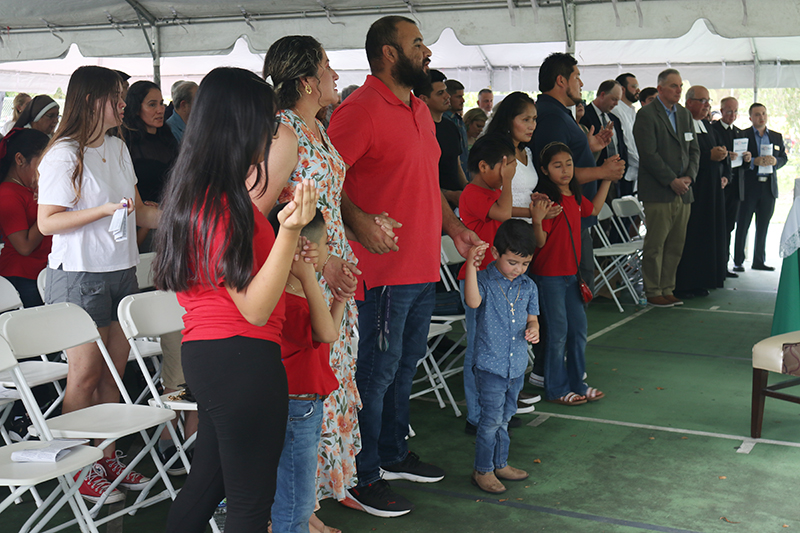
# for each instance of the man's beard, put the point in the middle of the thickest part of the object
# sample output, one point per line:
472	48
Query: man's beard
630	96
576	99
407	74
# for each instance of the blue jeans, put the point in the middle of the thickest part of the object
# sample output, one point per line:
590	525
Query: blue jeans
498	398
563	320
470	392
393	322
296	494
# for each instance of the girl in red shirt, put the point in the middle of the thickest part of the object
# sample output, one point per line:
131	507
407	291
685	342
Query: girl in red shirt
555	270
25	249
219	253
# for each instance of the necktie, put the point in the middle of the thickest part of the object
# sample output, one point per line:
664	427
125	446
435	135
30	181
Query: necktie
611	149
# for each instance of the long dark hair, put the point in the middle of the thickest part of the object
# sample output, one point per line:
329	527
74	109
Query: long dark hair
546	185
503	117
89	90
135	126
232	119
28	142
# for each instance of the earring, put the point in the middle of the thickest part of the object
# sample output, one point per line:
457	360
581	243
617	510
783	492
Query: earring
308	89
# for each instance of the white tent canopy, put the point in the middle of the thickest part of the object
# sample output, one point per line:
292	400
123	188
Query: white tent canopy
724	43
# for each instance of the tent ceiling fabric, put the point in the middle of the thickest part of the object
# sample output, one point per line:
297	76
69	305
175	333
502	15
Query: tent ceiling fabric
44	29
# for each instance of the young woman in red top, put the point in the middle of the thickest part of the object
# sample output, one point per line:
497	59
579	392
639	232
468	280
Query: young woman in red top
25	249
555	271
219	253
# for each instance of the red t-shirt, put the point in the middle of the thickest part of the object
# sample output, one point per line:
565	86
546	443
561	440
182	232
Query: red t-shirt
473	207
18	213
557	258
210	311
307	362
393	155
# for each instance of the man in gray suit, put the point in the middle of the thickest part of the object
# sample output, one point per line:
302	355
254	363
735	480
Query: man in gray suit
669	157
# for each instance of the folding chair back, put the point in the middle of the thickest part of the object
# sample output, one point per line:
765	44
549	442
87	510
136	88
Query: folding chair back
67	326
150	314
144	270
9	297
41	280
627	206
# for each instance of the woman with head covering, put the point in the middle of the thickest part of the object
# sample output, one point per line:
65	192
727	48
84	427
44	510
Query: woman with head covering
41	114
20	101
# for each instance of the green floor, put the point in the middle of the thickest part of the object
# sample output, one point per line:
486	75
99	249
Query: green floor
659	453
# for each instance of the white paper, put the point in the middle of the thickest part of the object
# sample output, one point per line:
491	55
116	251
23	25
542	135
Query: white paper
766	149
740	147
51	453
119	224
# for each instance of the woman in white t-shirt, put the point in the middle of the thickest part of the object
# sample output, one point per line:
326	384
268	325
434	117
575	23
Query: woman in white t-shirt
85	177
515	116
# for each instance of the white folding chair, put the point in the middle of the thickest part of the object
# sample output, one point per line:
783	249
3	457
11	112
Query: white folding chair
9	297
630	208
432	372
615	258
153	314
144	270
449	257
67	326
41	279
21	477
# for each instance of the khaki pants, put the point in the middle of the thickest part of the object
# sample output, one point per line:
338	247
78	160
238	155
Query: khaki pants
663	244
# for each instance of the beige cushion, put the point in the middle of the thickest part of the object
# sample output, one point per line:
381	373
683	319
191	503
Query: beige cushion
770	354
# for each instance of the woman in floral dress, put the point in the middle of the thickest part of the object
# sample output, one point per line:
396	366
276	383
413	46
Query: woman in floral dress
304	83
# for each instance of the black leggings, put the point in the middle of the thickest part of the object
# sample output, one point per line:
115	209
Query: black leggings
242	399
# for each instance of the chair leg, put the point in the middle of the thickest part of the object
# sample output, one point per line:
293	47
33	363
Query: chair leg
757	414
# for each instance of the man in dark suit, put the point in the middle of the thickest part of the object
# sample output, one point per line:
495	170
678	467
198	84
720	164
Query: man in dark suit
598	115
760	187
734	191
669	157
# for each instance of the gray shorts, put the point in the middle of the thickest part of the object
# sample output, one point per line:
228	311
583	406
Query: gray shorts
97	293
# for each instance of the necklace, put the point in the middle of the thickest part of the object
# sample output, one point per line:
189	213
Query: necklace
506	297
103	156
289	283
18	182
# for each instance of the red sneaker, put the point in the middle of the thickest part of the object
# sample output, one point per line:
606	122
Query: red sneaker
96	484
114	467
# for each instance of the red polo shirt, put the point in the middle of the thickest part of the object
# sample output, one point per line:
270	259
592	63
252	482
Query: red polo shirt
393	155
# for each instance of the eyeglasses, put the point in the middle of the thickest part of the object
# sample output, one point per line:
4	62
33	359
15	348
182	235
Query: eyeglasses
703	101
51	116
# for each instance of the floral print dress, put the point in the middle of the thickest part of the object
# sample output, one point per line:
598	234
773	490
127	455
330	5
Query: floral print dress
341	439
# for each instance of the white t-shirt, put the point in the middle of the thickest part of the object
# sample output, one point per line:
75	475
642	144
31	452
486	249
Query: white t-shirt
525	180
90	248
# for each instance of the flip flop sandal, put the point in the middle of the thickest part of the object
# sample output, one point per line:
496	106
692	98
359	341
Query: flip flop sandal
569	399
593	394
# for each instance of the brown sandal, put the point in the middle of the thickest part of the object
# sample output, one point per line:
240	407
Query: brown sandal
570	399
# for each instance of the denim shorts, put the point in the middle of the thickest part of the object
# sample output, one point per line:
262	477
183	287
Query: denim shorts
97	293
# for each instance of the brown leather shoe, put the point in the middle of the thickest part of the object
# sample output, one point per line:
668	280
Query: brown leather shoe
659	301
487	482
674	299
510	473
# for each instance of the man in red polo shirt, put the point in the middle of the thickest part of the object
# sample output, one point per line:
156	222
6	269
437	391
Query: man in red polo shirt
388	141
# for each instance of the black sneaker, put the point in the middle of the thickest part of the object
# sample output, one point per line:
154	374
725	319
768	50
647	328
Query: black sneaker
378	499
412	469
177	468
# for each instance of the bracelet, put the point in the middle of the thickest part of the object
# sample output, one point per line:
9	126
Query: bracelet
326	263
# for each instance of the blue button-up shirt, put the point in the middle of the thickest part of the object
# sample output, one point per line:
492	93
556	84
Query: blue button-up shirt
760	141
500	345
177	126
671	113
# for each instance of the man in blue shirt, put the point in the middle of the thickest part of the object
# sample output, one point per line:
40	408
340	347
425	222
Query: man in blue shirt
760	187
182	97
507	308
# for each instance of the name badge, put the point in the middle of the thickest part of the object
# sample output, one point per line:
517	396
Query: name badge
688	136
762	178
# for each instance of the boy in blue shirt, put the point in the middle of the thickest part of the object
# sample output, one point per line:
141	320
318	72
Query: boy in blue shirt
507	307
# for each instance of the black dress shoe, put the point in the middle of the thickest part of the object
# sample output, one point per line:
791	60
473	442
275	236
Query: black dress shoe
684	295
763	267
738	268
700	293
730	274
469	429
